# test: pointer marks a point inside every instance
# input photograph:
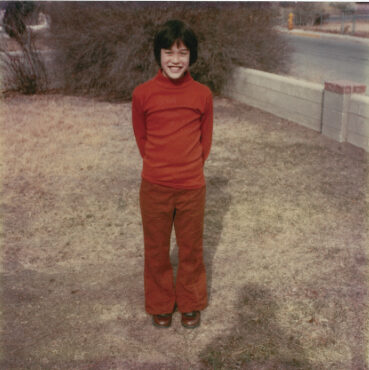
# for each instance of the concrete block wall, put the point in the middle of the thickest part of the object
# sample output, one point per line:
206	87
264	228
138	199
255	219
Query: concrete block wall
337	109
358	121
335	115
343	114
296	100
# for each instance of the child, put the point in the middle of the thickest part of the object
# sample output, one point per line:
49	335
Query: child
172	118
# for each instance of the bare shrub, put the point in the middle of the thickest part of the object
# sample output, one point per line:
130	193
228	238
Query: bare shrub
23	68
106	48
308	13
16	13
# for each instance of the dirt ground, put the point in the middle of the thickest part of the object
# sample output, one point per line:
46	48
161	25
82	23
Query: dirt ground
286	236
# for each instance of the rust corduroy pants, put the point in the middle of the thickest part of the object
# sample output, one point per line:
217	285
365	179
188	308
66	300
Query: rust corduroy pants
161	208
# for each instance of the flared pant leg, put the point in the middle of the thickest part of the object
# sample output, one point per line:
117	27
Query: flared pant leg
191	294
160	207
157	210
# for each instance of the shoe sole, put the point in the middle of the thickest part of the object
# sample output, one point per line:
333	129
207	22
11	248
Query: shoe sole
161	326
191	326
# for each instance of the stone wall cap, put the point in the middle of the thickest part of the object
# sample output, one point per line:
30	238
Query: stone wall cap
345	87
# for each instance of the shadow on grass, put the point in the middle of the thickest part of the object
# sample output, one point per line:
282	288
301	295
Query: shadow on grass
218	201
217	205
257	341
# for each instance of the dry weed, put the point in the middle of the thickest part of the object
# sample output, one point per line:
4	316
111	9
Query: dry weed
285	244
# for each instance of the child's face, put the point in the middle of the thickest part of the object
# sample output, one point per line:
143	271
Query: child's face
175	61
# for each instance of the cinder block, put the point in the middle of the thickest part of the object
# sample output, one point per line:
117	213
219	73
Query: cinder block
338	111
337	102
359	105
287	85
303	112
239	96
307	93
283	101
358	140
358	125
280	108
332	133
237	85
334	119
306	121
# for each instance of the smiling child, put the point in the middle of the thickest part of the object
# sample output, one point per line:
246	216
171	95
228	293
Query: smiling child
172	117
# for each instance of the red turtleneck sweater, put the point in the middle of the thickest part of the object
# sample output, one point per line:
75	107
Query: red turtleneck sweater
173	125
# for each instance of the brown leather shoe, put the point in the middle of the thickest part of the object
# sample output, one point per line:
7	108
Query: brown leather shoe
191	320
162	320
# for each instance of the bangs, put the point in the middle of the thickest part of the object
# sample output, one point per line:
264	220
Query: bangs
175	32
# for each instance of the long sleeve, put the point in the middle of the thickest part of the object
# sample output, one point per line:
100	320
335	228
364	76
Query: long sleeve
207	128
139	125
173	122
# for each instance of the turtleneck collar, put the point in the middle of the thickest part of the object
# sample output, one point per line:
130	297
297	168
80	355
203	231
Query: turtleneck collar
186	78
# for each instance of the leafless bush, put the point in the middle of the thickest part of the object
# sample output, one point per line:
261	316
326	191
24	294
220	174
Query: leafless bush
16	14
23	68
106	48
307	13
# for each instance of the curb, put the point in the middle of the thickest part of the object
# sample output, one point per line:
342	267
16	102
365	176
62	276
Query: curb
314	34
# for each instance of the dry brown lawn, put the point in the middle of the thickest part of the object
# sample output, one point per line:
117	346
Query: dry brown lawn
285	244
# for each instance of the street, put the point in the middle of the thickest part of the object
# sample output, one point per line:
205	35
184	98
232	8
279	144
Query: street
319	59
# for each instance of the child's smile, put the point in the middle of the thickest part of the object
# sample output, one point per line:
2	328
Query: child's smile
172	118
175	61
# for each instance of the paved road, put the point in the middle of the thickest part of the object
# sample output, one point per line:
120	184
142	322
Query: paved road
319	59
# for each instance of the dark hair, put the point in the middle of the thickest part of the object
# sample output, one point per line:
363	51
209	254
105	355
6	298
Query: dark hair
171	32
